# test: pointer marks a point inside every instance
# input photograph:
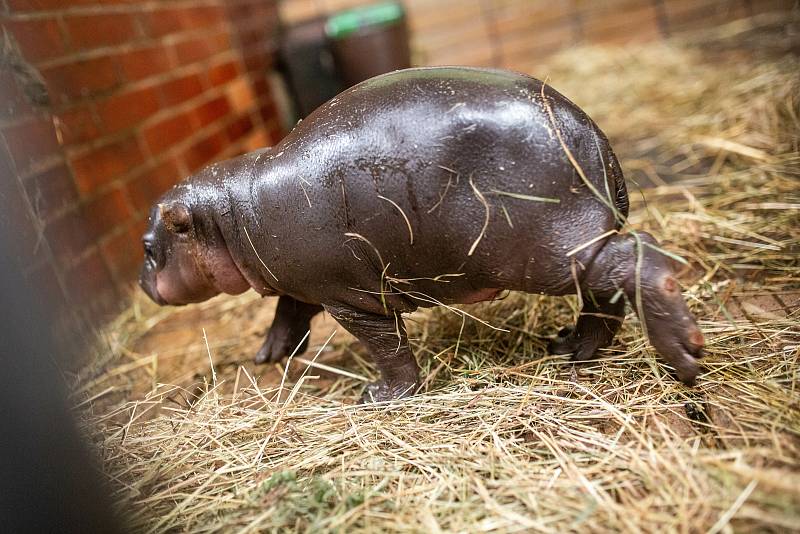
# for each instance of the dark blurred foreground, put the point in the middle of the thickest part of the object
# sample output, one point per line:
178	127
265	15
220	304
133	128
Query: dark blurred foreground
48	480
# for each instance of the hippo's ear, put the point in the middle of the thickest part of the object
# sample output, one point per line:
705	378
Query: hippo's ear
176	216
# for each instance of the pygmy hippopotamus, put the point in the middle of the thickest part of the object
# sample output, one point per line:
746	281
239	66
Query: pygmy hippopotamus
422	187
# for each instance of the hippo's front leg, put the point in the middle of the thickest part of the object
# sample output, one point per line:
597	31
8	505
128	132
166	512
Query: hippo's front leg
598	323
291	322
385	338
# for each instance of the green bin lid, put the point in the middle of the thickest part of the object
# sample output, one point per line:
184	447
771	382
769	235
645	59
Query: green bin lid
343	24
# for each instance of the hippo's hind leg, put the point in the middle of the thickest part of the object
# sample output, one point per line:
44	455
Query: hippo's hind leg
289	327
598	323
385	338
635	264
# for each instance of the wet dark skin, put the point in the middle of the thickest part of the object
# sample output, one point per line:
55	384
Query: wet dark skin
417	188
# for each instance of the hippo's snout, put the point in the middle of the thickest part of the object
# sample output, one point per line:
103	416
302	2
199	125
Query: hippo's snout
148	285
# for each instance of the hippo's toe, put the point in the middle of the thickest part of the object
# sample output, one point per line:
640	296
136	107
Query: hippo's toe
382	391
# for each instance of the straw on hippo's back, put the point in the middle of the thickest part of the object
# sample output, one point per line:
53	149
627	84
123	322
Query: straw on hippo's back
424	186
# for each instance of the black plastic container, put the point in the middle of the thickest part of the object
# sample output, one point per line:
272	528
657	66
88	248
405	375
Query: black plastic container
368	41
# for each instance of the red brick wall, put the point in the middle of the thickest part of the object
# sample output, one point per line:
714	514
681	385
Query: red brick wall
141	94
519	34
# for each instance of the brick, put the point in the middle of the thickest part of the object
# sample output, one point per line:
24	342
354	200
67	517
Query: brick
145	62
262	52
633	24
68	236
257	62
102	165
253	13
275	132
90	281
259	139
30	142
526	46
165	21
82	78
261	87
39	39
48	5
167	132
480	54
241	95
431	18
257	40
204	151
473	31
252	37
51	192
222	73
107	211
145	189
210	111
239	128
527	16
193	50
127	109
299	10
691	14
92	31
139	225
241	11
268	112
77	125
181	89
197	49
123	253
203	16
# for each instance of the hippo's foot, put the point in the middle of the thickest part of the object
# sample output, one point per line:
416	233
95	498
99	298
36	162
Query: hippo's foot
566	342
598	323
380	391
279	344
635	263
385	337
287	334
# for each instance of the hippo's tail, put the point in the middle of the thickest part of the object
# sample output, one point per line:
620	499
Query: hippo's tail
616	184
613	191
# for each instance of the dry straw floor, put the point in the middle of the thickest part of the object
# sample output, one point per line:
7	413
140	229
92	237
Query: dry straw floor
504	438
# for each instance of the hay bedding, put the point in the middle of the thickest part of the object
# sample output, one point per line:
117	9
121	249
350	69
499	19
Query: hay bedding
506	438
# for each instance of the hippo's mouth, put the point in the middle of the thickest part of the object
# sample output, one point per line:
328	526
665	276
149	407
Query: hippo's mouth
151	291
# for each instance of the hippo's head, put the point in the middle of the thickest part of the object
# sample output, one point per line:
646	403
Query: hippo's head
185	256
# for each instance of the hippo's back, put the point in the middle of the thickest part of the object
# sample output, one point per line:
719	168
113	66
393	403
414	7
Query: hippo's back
449	170
425	104
455	117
